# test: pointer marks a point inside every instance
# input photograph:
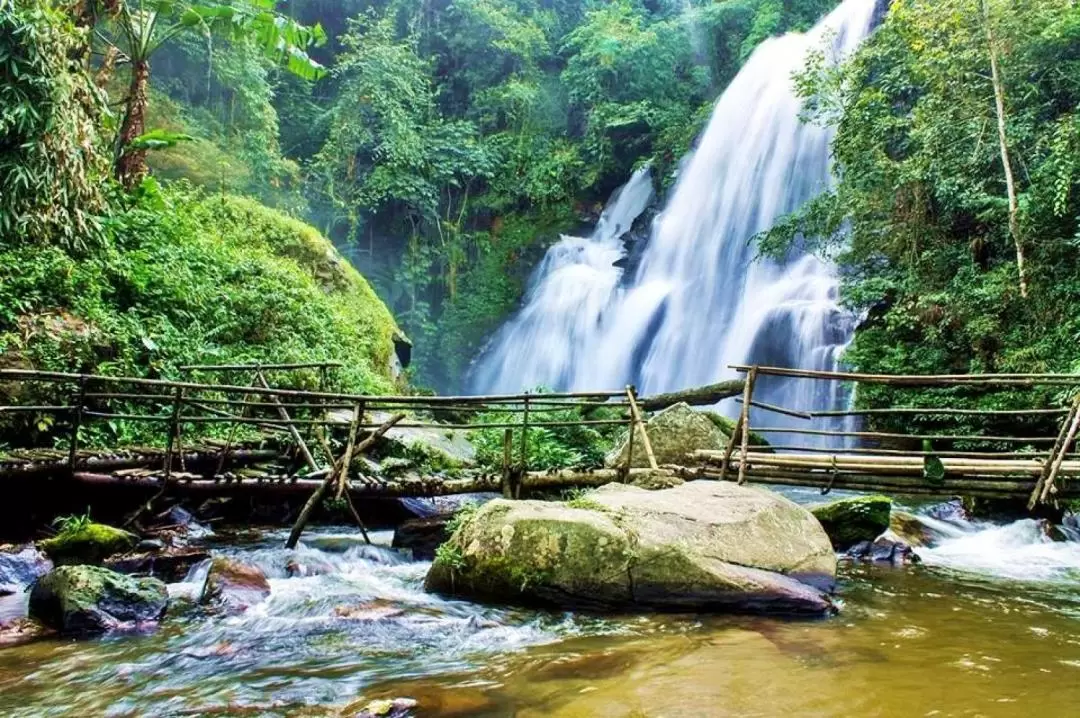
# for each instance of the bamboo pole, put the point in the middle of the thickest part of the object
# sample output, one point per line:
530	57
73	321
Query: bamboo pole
343	476
778	409
1054	451
293	431
640	424
506	483
887	435
261	367
76	424
323	486
748	395
916	379
736	432
632	429
1048	485
174	430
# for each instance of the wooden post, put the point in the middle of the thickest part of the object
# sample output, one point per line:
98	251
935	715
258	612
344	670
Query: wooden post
284	415
346	458
506	483
174	430
1059	448
639	423
525	436
1069	438
736	433
629	449
331	477
76	422
744	418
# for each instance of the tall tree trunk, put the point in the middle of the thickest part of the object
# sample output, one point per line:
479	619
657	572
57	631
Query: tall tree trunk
1010	183
131	163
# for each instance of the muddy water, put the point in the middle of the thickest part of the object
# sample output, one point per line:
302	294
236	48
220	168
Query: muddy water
988	626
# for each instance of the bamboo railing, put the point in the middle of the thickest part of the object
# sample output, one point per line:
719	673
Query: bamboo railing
903	464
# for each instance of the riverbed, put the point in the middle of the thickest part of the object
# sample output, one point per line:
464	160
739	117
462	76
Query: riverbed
987	625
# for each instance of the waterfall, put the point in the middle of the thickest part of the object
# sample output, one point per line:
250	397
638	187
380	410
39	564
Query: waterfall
700	300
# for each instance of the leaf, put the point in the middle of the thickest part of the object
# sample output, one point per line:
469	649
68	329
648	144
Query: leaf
157	139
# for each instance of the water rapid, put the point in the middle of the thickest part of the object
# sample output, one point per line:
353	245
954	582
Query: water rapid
700	300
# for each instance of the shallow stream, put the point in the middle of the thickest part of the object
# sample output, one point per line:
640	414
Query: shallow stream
988	625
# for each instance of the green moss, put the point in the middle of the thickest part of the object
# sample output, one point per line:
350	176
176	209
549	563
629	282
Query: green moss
89	599
87	543
850	521
727	426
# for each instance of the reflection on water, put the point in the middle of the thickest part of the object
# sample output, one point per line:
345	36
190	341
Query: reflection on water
957	636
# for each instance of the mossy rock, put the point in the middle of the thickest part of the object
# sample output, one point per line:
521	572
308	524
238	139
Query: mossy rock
90	543
702	545
853	520
673	433
727	425
234	586
89	600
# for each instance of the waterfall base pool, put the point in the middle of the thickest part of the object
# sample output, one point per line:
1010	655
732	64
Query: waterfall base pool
956	636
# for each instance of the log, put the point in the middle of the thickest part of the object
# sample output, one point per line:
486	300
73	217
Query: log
131	461
697	396
283	414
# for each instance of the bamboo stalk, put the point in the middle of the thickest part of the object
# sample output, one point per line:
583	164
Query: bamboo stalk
1048	485
778	409
293	431
76	424
887	435
748	397
916	379
261	367
640	424
508	450
343	476
174	431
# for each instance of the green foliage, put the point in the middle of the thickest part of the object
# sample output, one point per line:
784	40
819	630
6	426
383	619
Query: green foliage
549	448
193	279
74	524
50	169
919	219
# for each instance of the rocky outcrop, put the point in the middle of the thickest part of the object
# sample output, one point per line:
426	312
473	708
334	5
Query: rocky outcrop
704	545
854	520
88	543
234	586
883	550
673	433
89	600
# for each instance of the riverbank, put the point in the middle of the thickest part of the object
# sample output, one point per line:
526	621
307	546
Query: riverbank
987	624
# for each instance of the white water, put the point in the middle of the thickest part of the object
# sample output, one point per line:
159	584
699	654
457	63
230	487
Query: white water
554	334
699	301
1020	551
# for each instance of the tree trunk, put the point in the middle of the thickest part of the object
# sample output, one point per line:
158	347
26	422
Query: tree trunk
131	163
1010	183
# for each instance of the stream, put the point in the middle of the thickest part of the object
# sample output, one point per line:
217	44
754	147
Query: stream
987	625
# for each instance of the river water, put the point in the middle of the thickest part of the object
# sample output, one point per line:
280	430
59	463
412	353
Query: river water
988	625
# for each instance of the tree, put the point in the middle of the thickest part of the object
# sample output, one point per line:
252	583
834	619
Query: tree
136	29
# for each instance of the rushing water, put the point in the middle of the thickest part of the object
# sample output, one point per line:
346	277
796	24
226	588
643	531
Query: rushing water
699	301
989	625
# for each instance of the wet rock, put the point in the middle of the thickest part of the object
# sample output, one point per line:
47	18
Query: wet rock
704	545
20	566
89	600
883	550
673	433
952	511
385	708
377	610
445	505
150	545
234	586
422	536
169	564
854	520
89	543
22	630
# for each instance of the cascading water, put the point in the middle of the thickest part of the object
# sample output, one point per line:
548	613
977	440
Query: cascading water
699	301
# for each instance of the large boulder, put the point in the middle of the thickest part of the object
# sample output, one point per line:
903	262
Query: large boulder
674	433
234	586
703	545
88	600
87	542
854	520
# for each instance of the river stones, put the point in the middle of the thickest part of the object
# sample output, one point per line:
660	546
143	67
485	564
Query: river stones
20	566
851	521
883	550
89	600
234	586
704	545
87	543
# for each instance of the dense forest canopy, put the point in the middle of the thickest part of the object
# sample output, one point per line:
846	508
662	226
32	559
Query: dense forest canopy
443	146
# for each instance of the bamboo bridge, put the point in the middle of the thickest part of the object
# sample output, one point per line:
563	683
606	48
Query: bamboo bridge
289	420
